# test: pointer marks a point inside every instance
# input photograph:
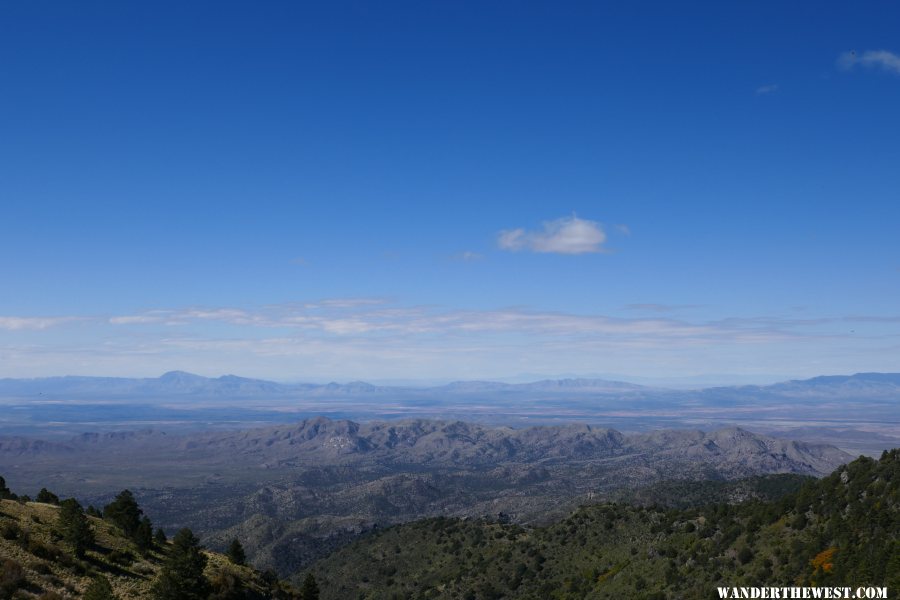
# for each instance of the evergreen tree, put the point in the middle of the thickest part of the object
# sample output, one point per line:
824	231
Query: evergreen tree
160	537
99	589
143	536
182	576
93	512
236	553
76	530
5	493
124	512
310	589
47	497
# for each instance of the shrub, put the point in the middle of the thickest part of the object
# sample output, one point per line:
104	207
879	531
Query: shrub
10	531
225	586
121	557
12	576
99	589
42	550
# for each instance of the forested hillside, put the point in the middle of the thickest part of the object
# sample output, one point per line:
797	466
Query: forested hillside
841	530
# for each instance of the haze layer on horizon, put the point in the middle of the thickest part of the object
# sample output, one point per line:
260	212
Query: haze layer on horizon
449	192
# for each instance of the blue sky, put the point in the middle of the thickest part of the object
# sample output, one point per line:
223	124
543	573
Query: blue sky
449	190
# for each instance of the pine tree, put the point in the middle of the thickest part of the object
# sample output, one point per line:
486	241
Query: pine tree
5	493
236	553
310	589
76	530
160	537
182	576
99	589
47	497
124	512
143	536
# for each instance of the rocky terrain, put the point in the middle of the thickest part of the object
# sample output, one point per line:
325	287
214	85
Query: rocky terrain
295	492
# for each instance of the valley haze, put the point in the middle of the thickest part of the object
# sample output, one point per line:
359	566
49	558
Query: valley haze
860	412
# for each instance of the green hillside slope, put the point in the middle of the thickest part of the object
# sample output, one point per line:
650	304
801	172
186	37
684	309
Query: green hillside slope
841	530
39	558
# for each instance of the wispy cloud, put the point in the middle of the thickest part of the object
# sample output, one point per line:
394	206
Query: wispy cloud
187	315
659	308
367	317
342	303
468	256
568	235
136	319
882	59
374	337
22	323
766	89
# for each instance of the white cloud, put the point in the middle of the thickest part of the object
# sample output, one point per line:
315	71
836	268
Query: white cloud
377	338
511	239
367	318
658	308
468	256
872	59
135	320
183	316
345	303
20	323
766	89
568	235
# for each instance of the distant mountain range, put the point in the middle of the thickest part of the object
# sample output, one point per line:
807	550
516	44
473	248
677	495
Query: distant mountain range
169	384
176	383
862	410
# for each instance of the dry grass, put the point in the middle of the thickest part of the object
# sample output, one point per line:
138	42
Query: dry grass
29	539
